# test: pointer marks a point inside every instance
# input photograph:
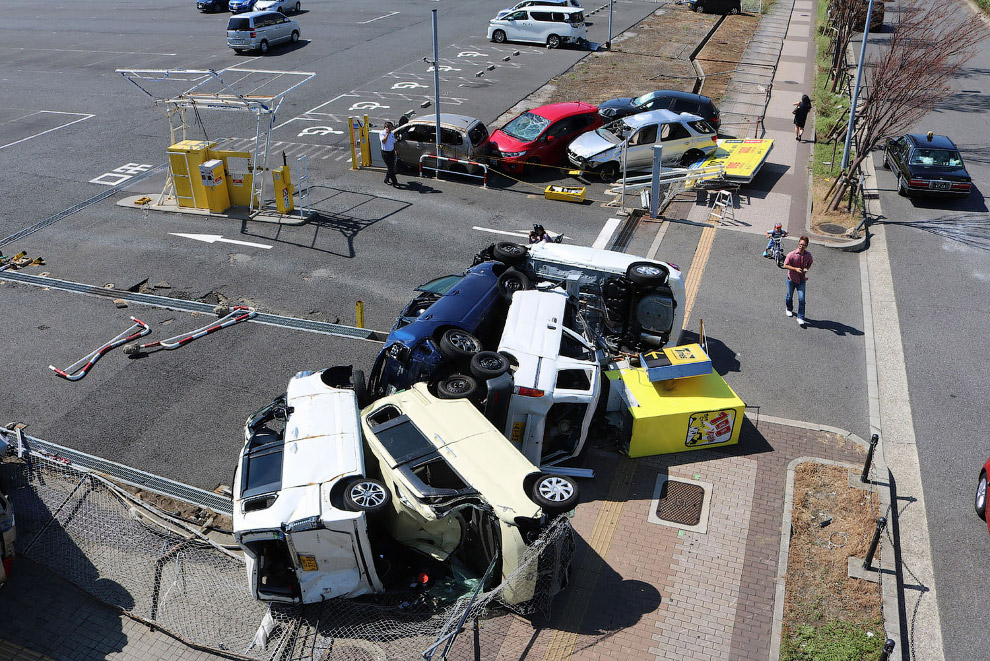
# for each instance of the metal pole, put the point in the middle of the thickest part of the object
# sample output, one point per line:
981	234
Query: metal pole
655	190
622	195
436	80
888	649
608	44
881	524
865	477
859	75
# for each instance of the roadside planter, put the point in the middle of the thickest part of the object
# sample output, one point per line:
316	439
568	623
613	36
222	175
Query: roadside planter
674	415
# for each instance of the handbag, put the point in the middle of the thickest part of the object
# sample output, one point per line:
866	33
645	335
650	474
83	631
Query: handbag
794	112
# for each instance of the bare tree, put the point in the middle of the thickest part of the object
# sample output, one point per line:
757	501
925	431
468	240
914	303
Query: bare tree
846	17
906	79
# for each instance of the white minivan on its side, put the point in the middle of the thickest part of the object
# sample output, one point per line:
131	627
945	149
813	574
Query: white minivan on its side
555	373
551	25
259	30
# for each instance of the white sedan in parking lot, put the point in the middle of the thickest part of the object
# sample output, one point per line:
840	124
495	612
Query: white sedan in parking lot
283	6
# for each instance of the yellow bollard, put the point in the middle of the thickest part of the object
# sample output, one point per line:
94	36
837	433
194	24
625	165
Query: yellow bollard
360	314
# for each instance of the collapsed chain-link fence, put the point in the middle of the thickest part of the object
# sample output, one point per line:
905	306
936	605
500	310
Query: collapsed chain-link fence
127	554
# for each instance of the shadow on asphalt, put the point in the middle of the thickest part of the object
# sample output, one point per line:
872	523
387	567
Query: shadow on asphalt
836	327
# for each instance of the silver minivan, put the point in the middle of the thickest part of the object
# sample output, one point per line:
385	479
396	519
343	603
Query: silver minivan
258	30
550	25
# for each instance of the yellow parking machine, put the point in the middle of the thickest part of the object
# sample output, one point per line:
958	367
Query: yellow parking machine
184	160
675	415
211	174
283	189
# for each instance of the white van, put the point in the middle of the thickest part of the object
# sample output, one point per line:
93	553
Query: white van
301	495
258	30
556	375
551	25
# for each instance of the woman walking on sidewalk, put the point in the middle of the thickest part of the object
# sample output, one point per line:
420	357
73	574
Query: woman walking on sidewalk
801	110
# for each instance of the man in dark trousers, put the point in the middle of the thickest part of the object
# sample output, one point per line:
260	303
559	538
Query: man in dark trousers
797	264
388	153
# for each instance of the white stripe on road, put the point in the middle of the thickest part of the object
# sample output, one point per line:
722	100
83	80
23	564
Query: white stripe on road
82	117
606	234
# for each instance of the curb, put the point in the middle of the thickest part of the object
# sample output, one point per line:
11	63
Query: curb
260	216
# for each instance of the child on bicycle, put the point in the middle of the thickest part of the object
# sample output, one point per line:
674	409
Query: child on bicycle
777	233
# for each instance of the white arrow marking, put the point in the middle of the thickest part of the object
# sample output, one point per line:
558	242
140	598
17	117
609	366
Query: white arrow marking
214	238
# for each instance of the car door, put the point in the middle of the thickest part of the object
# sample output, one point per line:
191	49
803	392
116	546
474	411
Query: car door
897	159
412	141
283	26
639	155
516	25
560	134
675	140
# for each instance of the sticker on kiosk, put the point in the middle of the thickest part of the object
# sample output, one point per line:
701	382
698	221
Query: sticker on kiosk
710	428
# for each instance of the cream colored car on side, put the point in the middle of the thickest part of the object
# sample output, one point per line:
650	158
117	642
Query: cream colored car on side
461	491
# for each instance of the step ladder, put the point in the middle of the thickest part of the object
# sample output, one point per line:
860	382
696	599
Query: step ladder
722	207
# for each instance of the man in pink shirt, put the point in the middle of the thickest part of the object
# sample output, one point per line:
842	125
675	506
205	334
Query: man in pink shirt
797	264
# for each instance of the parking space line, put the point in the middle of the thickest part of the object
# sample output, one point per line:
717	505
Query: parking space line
606	234
391	13
80	50
82	118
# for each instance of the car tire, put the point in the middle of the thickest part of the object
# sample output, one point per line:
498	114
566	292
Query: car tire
498	37
488	364
360	385
532	166
509	253
700	8
691	156
295	38
901	186
734	11
457	344
366	494
510	282
553	41
981	496
296	8
886	158
263	46
647	273
457	386
555	494
609	173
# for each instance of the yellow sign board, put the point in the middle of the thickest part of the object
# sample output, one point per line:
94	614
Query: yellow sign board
307	562
742	159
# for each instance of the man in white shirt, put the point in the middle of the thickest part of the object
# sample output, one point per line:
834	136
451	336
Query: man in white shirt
388	153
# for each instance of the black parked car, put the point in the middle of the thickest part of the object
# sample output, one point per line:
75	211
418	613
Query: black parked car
211	5
716	6
672	100
927	165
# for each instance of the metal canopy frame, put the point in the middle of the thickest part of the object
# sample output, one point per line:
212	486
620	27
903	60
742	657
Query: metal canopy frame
195	89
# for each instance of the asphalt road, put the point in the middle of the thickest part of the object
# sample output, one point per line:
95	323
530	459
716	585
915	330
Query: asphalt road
938	253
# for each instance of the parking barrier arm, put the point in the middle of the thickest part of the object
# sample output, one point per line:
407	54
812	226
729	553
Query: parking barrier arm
73	371
235	316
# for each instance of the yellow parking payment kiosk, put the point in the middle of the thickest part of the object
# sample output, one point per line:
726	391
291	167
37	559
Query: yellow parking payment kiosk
184	160
676	362
661	417
283	189
211	174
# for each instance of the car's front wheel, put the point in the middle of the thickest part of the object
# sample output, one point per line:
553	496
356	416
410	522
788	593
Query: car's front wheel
456	386
981	496
555	494
295	36
296	8
734	11
886	158
700	8
366	494
553	41
609	173
498	37
646	273
510	282
509	253
457	344
488	364
901	186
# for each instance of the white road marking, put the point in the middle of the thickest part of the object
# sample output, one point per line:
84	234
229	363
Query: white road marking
488	229
606	234
215	238
391	13
79	50
82	117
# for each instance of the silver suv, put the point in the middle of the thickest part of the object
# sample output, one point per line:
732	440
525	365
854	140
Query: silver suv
461	137
259	30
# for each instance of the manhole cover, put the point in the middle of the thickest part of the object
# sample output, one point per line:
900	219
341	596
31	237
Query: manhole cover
832	228
680	503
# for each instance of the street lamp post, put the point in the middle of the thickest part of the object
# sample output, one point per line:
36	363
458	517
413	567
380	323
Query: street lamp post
608	44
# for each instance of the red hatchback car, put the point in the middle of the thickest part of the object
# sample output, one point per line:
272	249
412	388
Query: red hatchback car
541	135
981	493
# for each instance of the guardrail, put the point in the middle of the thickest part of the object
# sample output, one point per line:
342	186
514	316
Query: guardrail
458	161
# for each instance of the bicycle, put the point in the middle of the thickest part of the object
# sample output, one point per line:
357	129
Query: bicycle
775	252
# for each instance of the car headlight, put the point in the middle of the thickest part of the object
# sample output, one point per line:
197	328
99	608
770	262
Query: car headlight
513	154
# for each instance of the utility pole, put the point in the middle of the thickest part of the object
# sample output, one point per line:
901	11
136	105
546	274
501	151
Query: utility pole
436	80
608	44
855	97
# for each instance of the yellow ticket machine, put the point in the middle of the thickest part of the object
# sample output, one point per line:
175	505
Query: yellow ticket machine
211	175
184	160
283	189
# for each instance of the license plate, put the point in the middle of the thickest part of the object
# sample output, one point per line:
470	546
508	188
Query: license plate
237	41
307	562
518	430
941	185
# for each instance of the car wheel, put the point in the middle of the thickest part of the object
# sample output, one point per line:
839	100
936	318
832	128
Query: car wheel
700	8
510	282
734	11
456	386
532	166
555	494
886	158
360	385
553	41
647	273
609	173
691	156
263	47
488	364
295	36
498	37
366	494
510	253
981	496
296	8
457	344
901	186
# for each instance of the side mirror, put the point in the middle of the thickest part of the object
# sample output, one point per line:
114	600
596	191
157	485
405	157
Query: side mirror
550	138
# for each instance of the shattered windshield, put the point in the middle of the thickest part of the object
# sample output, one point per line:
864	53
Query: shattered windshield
615	132
526	127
